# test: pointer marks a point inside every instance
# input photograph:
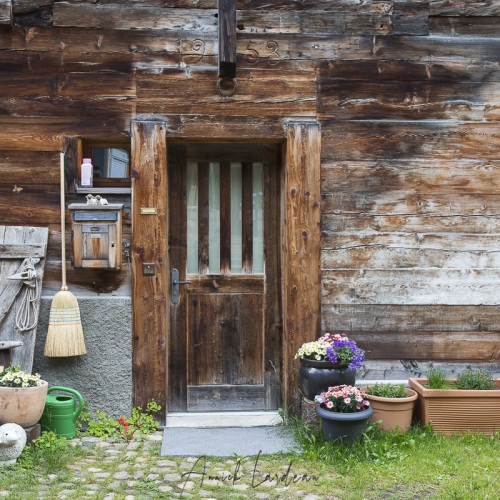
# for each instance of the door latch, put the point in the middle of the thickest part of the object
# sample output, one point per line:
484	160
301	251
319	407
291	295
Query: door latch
175	285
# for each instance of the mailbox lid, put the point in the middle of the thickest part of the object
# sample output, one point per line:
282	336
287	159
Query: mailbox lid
95	228
95	216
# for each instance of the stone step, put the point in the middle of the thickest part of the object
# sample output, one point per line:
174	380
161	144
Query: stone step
223	419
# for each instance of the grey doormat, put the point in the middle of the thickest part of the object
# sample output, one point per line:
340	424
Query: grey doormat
227	441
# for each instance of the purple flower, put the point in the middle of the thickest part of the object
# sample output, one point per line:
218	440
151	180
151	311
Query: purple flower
345	352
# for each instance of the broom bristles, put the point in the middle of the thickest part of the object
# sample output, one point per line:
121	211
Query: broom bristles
65	333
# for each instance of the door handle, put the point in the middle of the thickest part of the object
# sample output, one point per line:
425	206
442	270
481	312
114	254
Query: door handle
174	278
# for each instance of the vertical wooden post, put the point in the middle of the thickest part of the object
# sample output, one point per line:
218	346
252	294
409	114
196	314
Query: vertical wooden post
6	12
149	245
227	38
301	249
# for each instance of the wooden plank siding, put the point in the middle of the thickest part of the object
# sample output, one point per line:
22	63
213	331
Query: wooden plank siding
410	199
390	110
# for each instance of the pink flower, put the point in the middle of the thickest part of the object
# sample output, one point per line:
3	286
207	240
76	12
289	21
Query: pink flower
329	405
347	401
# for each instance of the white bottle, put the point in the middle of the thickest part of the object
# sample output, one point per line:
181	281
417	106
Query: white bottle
87	171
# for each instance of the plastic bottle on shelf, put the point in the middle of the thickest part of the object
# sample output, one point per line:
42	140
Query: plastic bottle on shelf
86	173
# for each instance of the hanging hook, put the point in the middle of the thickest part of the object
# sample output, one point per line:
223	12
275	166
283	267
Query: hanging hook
223	90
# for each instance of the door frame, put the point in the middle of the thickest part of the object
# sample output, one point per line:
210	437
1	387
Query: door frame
258	393
300	250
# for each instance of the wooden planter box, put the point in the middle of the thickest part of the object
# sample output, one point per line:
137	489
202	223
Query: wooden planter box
456	411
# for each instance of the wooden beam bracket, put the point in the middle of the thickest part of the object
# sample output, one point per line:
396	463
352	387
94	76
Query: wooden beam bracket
226	82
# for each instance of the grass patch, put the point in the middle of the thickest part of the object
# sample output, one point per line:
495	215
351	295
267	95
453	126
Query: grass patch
416	464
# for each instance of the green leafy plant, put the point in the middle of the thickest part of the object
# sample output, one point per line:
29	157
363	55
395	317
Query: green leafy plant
475	380
387	390
140	422
436	379
102	426
51	451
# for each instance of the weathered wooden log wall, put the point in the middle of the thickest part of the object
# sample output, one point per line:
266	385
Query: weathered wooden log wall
407	93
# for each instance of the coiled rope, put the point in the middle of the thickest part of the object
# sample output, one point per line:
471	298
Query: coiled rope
27	314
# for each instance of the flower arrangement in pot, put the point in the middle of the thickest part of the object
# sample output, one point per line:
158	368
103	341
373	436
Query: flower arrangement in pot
344	412
329	361
392	405
22	397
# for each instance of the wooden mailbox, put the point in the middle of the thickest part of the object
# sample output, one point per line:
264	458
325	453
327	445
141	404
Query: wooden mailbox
96	235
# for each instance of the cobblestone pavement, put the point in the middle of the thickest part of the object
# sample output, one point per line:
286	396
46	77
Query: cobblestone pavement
135	470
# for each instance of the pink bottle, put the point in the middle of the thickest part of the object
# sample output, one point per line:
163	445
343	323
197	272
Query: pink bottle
87	171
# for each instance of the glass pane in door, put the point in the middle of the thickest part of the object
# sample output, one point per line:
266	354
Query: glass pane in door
258	218
192	218
236	178
246	235
214	218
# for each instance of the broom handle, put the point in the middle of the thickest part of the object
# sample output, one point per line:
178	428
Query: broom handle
63	225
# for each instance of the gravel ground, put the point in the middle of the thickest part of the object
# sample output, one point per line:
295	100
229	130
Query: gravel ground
135	470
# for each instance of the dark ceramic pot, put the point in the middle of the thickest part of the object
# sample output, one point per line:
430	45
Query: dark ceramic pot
343	427
316	377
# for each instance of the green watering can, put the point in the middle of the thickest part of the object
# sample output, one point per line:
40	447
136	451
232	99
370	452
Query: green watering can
60	412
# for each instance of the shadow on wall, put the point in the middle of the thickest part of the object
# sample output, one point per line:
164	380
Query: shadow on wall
104	375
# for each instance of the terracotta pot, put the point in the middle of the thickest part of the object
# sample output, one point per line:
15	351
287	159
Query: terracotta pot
393	412
22	406
316	377
456	411
342	427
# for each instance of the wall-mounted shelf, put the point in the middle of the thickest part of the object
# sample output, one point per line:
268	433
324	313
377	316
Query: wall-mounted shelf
104	190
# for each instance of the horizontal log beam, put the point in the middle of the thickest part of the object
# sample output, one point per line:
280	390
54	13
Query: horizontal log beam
260	93
410	139
439	346
464	8
372	22
416	100
407	319
412	286
480	177
411	224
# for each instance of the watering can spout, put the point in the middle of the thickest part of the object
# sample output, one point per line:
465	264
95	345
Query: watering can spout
61	412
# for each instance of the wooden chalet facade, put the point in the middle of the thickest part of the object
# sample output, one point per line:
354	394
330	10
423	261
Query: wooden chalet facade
374	126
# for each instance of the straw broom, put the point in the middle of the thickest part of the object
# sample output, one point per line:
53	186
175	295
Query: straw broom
65	333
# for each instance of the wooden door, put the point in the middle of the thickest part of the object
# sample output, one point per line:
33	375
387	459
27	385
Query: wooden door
225	325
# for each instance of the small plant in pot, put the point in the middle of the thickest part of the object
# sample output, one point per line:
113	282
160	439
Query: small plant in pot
344	412
469	403
392	405
329	361
22	397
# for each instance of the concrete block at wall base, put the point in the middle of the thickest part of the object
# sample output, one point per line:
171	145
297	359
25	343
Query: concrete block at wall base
103	376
